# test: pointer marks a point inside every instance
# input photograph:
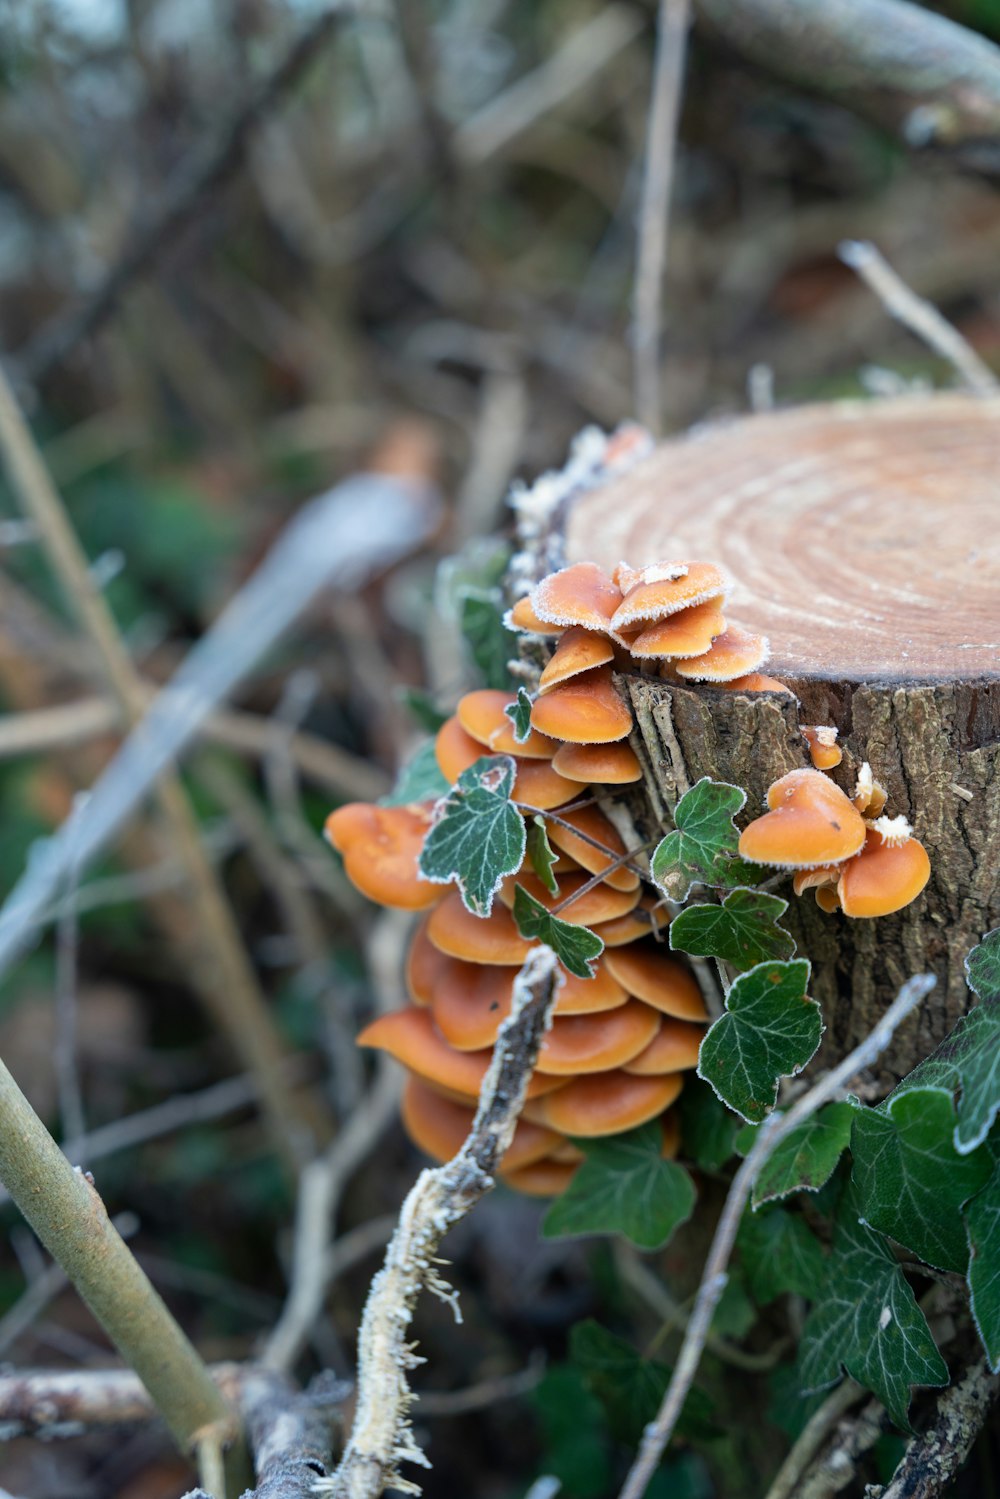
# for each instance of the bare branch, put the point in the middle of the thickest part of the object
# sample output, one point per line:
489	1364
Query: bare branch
932	1459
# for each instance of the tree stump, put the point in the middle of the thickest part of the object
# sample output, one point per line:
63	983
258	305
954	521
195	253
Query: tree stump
863	539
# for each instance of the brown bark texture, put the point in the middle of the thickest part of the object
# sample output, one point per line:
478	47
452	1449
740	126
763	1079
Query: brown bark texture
864	539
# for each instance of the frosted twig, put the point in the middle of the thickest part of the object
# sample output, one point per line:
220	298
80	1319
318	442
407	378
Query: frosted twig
382	1438
713	1282
916	313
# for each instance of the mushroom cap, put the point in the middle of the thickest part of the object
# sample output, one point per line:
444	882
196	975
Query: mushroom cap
600	904
629	578
827	899
655	600
577	651
482	715
592	822
424	966
756	681
588	996
411	1037
381	847
824	752
687	633
811	822
883	878
606	1103
734	653
643	969
470	1002
546	1178
478	939
674	1048
455	750
440	1127
579	595
523	617
578	1044
598	764
584	710
647	917
538	784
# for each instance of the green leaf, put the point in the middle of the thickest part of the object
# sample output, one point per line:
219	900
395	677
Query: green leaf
770	1030
702	848
519	713
541	854
577	1447
983	966
982	1219
628	1386
423	708
867	1321
910	1180
420	780
575	946
734	1313
805	1159
490	642
708	1128
968	1059
780	1253
624	1187
743	930
478	836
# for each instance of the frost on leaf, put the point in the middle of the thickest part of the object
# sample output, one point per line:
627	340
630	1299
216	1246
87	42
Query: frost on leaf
478	835
770	1030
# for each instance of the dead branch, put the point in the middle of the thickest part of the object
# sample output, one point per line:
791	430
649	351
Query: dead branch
291	1432
932	1459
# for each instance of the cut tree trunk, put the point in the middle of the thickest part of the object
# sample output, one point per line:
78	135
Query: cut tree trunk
864	540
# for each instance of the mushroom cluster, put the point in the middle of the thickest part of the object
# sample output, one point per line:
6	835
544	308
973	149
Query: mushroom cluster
849	853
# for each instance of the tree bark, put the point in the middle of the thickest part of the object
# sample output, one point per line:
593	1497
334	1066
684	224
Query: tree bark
863	539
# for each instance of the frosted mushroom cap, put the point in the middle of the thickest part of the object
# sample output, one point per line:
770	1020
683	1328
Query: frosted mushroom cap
538	783
643	969
592	822
811	822
478	939
756	681
523	617
884	877
579	595
455	750
381	847
686	634
732	655
577	1044
674	1048
824	751
584	710
577	651
655	600
598	764
482	715
606	1103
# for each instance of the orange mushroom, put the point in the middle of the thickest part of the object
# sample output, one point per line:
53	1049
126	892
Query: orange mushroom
577	651
602	903
870	796
649	916
585	996
756	681
440	1127
470	1001
380	847
644	970
478	939
664	594
578	1044
811	822
734	653
546	1178
411	1037
687	633
674	1048
482	715
455	750
539	784
579	595
823	748
629	578
606	1103
598	764
424	966
887	875
593	823
584	710
523	617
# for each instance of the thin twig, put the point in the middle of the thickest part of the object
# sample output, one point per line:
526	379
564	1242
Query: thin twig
713	1282
921	317
812	1437
654	213
599	878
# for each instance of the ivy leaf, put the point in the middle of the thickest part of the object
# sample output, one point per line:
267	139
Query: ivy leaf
629	1386
702	847
478	836
708	1128
519	713
624	1187
867	1322
982	1219
423	708
910	1180
805	1160
770	1030
575	946
983	966
968	1059
780	1253
743	930
420	780
577	1445
541	854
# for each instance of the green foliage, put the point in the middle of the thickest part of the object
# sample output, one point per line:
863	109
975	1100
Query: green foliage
867	1321
478	836
743	930
626	1187
982	967
770	1030
708	1128
911	1182
779	1253
420	780
574	946
982	1219
422	708
805	1159
576	1443
468	591
629	1386
541	854
519	713
702	848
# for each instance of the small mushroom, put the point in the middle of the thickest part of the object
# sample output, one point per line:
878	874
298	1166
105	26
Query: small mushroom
811	822
586	996
667	595
577	651
870	796
584	710
674	1048
579	595
593	823
478	939
578	1044
523	617
482	715
824	751
756	681
733	654
546	1178
606	1103
886	876
439	1127
380	847
598	764
411	1037
688	633
649	916
539	784
644	970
